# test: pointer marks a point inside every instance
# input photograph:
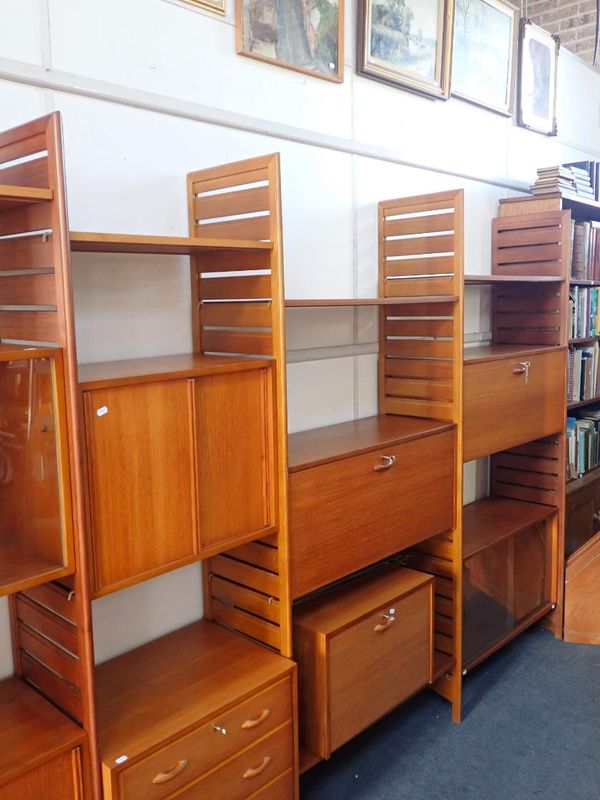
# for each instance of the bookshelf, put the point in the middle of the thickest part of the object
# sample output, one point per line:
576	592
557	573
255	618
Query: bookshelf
578	544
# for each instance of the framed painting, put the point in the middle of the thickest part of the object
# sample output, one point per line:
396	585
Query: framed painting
538	62
407	43
304	35
484	53
218	6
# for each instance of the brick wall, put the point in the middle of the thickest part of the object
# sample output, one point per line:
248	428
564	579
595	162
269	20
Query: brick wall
574	21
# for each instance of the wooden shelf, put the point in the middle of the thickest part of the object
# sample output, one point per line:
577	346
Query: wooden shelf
582	282
588	340
21	568
490	352
373	301
32	730
147	370
493	519
13	196
591	476
84	242
582	403
323	445
491	279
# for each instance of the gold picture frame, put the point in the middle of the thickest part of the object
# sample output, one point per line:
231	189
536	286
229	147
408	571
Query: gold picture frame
216	6
407	43
303	35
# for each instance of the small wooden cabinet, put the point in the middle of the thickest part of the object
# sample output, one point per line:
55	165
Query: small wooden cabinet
362	649
200	712
40	748
361	491
180	461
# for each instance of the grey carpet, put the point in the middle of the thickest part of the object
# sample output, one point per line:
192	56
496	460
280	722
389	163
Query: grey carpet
531	731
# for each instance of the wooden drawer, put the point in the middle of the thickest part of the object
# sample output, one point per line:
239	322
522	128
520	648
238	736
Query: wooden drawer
194	754
241	777
58	779
347	514
504	407
361	651
282	788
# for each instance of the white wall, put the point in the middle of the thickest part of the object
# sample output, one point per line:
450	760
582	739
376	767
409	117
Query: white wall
152	89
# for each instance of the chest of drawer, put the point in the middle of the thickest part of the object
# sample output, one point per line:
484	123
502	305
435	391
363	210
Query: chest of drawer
190	756
508	402
245	774
361	651
355	511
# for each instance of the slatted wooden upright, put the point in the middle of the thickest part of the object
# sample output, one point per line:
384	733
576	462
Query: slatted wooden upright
238	310
53	647
420	374
534	243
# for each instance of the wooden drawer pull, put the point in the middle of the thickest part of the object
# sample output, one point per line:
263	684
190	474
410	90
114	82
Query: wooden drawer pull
163	777
386	463
254	771
383	626
252	723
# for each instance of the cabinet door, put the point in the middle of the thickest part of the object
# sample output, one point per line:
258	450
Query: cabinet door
142	481
58	779
234	454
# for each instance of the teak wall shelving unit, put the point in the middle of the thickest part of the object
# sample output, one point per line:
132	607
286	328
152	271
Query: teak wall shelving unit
366	486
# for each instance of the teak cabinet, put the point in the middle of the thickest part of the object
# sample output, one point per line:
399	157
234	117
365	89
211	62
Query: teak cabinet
180	464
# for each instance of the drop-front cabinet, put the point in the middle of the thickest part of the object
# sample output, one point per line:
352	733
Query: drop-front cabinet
179	461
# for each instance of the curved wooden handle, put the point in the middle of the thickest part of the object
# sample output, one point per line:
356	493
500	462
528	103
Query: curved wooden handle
386	463
382	626
254	771
519	370
252	723
163	777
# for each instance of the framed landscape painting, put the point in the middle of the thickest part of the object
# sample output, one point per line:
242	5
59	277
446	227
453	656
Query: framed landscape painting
304	35
407	43
484	53
538	62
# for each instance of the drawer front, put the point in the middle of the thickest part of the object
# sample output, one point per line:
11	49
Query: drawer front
59	779
348	514
189	757
243	776
282	788
505	407
376	664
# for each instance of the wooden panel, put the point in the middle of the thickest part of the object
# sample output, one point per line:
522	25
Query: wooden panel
36	217
64	694
251	342
57	779
429	224
27	290
229	176
530	408
408	287
258	228
34	326
258	554
54	658
54	597
434	265
528	254
344	515
420	308
203	749
418	245
141	480
235	456
419	368
245	575
582	594
257	287
48	624
233	261
533	255
419	327
248	624
242	597
245	201
32	252
520	237
31	173
233	315
434	390
430	409
419	348
437	201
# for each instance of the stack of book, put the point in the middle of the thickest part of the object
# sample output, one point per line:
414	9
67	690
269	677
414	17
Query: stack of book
582	373
583	442
555	180
585	256
584	312
587	177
